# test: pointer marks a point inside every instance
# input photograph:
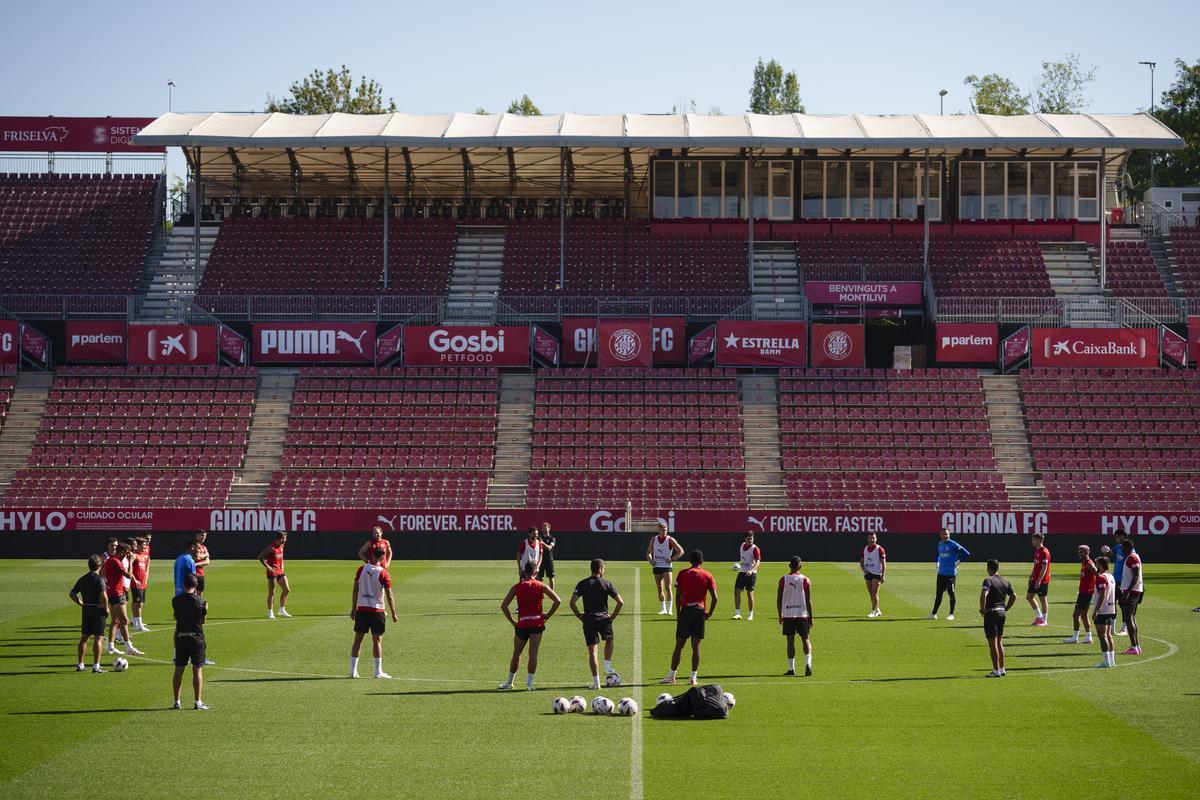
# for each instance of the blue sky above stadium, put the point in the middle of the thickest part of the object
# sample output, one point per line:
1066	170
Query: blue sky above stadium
870	57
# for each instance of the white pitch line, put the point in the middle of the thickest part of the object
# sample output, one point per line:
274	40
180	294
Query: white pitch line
635	737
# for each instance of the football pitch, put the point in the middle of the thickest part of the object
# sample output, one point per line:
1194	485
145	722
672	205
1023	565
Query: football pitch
897	706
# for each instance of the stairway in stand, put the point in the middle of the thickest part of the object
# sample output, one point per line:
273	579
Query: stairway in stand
475	277
759	398
170	276
777	290
514	443
25	410
1075	278
1010	442
268	428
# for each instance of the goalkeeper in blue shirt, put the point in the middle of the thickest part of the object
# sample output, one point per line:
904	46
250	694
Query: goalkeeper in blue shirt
949	553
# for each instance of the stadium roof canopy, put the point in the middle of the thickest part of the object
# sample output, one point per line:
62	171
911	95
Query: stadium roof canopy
796	131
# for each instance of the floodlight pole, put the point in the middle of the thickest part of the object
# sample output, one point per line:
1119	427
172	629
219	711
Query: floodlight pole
562	217
387	205
750	217
1151	65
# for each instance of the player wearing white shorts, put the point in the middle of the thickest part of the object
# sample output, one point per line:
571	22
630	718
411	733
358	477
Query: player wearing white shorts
873	563
662	550
749	557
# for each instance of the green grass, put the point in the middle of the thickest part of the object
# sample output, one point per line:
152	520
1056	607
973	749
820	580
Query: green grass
897	706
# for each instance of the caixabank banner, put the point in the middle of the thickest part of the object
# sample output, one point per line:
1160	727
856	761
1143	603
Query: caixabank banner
1095	347
153	343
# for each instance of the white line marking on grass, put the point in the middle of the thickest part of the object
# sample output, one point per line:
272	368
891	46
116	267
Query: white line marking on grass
635	737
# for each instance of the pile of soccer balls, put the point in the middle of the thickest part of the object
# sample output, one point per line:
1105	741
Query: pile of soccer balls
626	706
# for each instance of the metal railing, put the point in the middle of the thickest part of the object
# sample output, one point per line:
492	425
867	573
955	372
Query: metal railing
1155	220
1058	312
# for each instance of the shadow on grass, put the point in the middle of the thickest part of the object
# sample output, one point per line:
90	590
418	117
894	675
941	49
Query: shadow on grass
448	692
279	680
84	711
1178	577
52	628
34	672
879	619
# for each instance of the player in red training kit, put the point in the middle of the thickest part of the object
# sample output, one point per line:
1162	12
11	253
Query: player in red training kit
530	623
376	540
1083	601
272	558
873	563
692	587
372	586
1039	581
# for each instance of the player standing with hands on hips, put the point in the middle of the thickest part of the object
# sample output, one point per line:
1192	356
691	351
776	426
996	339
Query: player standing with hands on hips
1083	600
661	552
873	563
88	593
1039	581
749	557
530	623
272	559
546	569
692	586
597	622
529	551
794	602
995	601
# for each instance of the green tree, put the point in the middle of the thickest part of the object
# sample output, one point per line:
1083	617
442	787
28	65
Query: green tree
1061	89
773	91
994	94
524	106
330	91
1179	110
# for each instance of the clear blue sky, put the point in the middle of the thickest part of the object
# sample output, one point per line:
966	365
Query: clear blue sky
603	57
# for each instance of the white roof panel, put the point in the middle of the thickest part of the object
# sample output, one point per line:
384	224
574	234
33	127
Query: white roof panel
855	131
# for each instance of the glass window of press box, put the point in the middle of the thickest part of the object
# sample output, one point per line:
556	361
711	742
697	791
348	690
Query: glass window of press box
716	189
868	189
1030	190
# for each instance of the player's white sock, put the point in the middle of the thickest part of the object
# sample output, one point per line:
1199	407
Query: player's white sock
353	665
379	666
80	666
529	680
671	673
608	666
808	659
737	610
792	664
511	675
1088	639
694	673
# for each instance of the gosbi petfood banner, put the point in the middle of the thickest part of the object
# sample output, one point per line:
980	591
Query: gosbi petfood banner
967	342
743	343
668	336
101	341
154	343
466	346
598	520
838	345
73	134
625	343
1095	347
308	342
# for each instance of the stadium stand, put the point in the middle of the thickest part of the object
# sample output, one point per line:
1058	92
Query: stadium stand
415	437
988	266
660	438
72	233
870	438
867	258
621	258
139	436
1185	253
329	256
1132	271
1107	438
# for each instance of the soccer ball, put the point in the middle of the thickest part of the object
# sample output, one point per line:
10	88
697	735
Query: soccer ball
120	664
730	700
737	567
562	705
612	679
663	698
627	707
577	704
602	705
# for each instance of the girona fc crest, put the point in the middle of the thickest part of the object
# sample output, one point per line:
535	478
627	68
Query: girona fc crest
625	344
838	345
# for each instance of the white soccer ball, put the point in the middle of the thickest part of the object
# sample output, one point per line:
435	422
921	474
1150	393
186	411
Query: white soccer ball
578	704
562	705
737	567
627	707
612	679
120	664
662	698
602	705
730	699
